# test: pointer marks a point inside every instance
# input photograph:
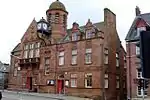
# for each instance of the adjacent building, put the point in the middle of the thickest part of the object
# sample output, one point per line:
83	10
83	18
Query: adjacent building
84	61
134	72
4	71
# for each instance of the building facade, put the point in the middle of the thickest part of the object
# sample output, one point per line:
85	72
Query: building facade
82	61
134	72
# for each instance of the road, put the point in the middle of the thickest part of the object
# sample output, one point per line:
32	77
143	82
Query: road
14	96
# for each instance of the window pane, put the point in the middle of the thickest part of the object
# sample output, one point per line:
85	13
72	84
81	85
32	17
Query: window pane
88	80
73	83
117	55
106	59
74	59
105	51
47	61
139	74
89	50
137	50
117	62
37	52
26	54
61	53
32	46
31	53
74	52
106	75
61	60
26	47
88	34
37	45
106	83
88	58
74	36
117	84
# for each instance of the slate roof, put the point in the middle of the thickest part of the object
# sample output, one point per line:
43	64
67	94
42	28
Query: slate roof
17	48
131	36
98	25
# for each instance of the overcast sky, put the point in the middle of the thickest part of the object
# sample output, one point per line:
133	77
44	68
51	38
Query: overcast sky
16	15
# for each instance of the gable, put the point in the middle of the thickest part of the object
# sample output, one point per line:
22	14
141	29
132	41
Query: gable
139	21
31	32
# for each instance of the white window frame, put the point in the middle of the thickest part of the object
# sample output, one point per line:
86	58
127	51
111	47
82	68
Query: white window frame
88	55
61	58
47	65
74	57
26	51
31	53
117	62
106	81
86	79
74	36
137	50
37	49
89	34
106	56
37	52
73	80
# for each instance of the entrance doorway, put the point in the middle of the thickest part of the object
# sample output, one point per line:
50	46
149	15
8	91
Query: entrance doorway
60	86
29	83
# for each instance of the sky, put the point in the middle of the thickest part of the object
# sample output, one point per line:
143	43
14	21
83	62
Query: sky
16	15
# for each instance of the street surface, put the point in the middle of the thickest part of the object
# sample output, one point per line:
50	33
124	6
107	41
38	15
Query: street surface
14	96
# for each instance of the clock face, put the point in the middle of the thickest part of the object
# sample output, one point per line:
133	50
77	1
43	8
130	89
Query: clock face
39	26
44	26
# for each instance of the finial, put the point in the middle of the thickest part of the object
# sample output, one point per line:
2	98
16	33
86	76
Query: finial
57	0
137	11
89	20
42	18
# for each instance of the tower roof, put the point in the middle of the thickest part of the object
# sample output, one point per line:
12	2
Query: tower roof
57	5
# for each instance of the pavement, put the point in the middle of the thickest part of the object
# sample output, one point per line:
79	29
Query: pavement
45	95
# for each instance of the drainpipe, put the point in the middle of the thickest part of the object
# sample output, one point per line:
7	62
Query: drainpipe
130	70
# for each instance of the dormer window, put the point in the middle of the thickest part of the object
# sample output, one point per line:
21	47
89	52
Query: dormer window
74	36
88	34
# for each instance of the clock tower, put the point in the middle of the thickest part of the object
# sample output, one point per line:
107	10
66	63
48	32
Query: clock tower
57	18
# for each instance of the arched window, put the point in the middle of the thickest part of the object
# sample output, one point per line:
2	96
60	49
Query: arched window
57	18
49	18
64	19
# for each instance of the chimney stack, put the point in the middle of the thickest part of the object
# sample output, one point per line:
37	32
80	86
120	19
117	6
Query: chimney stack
137	11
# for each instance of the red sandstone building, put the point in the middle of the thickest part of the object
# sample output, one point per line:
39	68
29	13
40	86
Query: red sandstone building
134	72
83	61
